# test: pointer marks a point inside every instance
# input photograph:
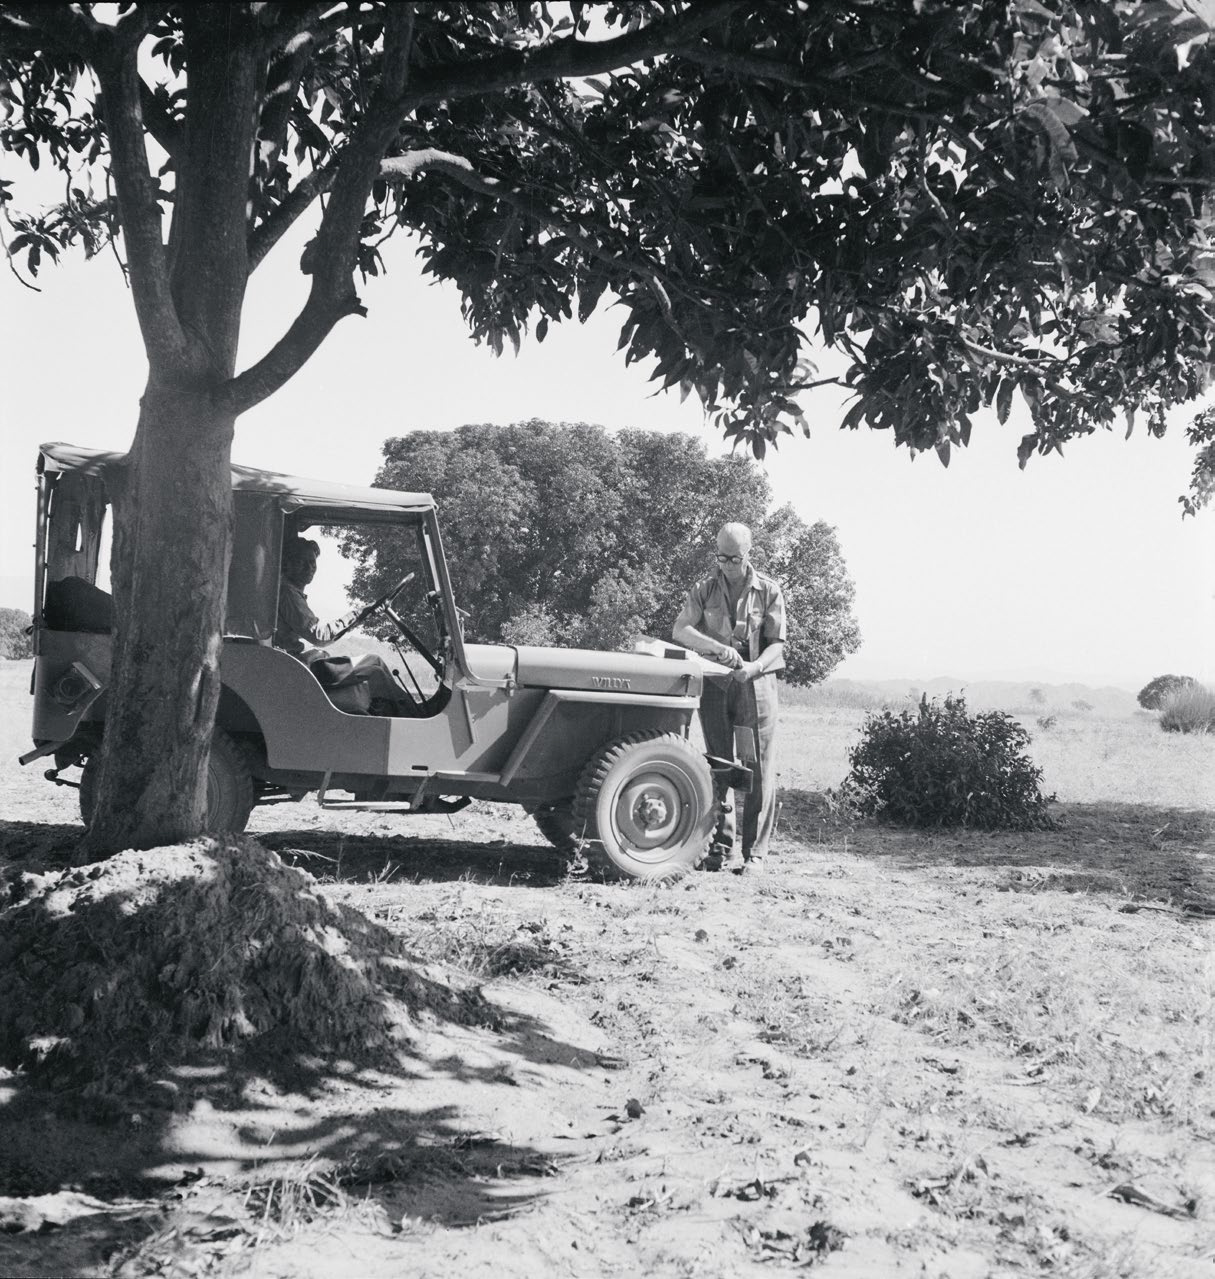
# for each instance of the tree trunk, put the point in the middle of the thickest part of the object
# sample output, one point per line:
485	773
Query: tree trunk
169	570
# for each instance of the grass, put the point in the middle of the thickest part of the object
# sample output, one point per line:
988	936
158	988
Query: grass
1084	757
1190	709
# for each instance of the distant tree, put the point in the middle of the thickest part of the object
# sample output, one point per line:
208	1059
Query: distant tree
1037	696
808	562
562	533
1153	693
1081	705
967	201
15	638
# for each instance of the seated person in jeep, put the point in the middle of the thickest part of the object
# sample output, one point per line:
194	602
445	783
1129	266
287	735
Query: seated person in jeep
298	628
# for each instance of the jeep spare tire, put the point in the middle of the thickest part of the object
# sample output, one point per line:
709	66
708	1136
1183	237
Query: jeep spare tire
229	786
647	805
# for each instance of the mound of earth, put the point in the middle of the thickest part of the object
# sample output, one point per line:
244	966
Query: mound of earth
211	950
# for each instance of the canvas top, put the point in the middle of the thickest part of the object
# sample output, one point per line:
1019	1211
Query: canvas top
295	492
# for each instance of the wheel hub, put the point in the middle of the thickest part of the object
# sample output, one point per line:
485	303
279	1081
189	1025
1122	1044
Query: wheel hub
650	810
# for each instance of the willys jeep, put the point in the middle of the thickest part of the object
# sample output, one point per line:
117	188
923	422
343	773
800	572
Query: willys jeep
594	744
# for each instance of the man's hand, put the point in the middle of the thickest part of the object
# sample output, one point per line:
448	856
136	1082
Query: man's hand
727	656
747	671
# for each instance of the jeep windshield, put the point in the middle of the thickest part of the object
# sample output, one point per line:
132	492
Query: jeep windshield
396	576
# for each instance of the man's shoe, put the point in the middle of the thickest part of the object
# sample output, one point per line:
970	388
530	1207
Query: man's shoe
733	861
753	865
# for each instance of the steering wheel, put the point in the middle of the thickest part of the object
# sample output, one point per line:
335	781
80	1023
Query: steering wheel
376	605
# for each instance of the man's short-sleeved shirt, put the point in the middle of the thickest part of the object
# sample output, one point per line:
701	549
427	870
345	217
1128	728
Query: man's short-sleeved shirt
758	621
297	623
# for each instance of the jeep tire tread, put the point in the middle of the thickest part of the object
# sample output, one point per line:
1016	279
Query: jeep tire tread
229	786
647	805
556	823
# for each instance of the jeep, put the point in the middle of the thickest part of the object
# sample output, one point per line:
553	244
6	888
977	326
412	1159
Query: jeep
595	745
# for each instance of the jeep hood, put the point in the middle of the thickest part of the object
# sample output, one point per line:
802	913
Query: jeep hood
582	668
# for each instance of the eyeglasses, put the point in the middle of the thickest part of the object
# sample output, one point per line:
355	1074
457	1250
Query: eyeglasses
730	559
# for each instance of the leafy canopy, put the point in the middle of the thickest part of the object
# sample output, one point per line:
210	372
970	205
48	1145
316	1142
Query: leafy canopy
963	201
562	533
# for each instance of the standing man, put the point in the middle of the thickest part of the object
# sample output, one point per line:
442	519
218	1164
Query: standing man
737	617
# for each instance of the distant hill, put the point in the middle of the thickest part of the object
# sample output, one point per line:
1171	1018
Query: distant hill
1005	695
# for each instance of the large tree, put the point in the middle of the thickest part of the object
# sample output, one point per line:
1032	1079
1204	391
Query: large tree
558	532
967	200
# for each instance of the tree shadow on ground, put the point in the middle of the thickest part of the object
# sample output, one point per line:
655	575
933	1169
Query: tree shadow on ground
1137	851
335	855
373	858
45	845
129	1073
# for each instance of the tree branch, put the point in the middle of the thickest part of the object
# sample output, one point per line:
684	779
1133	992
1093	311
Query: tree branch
69	27
138	207
1003	357
289	209
333	253
131	28
158	122
282	81
565	59
306	23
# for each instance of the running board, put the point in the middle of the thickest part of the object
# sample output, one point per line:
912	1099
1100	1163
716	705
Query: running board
418	802
367	806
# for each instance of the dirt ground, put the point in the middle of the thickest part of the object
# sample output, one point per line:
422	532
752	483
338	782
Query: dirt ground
944	1055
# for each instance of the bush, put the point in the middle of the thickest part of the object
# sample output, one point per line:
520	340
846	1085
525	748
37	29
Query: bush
1188	709
15	640
1151	696
943	767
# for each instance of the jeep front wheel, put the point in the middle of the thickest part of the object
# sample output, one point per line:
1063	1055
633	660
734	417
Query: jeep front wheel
229	787
647	805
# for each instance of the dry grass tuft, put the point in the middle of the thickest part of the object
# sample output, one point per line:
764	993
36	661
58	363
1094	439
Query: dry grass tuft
1189	709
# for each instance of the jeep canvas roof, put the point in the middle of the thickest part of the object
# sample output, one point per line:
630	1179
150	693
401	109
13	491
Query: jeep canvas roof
294	492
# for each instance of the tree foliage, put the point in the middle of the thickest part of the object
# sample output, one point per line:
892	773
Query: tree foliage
562	533
967	201
15	638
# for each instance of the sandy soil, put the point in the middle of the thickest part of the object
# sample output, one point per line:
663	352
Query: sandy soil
892	1054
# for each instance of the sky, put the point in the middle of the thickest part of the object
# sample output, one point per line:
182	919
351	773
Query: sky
1076	569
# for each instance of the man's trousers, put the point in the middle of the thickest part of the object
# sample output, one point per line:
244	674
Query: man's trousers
725	704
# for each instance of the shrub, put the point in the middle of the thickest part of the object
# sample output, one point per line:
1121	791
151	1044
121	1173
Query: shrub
15	640
1188	709
1081	705
1047	722
1151	696
941	766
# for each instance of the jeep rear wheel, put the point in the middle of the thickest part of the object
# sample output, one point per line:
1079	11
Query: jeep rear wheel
229	786
648	806
557	825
